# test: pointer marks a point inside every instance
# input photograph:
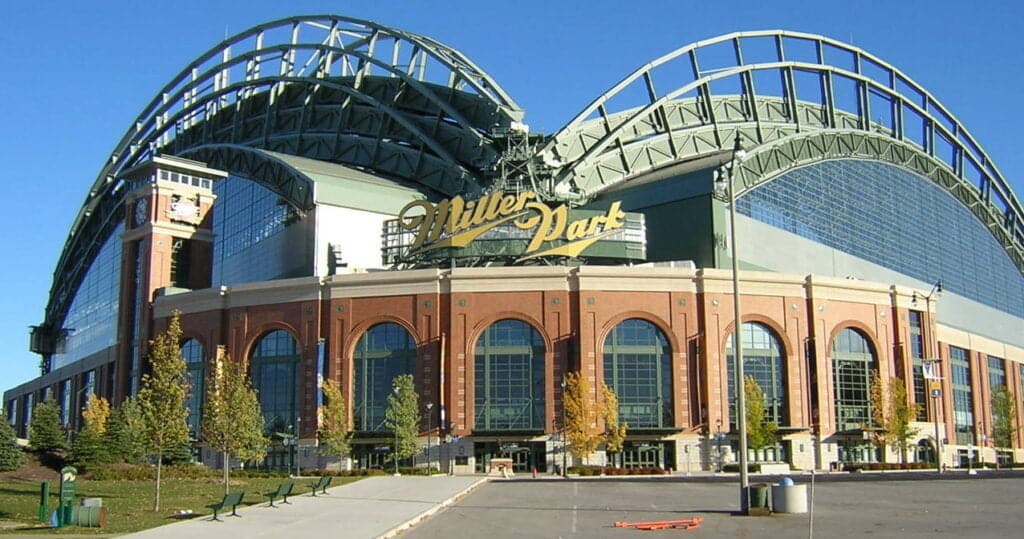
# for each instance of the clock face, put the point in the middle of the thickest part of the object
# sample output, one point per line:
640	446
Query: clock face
141	211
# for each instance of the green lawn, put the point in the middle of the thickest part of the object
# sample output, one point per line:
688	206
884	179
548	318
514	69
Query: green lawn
129	504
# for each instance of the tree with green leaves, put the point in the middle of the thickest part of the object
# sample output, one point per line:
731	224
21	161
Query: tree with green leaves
161	400
760	431
402	416
614	432
45	433
1004	419
334	432
892	415
123	434
581	430
11	454
232	419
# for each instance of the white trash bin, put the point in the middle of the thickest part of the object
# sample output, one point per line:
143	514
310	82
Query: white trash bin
789	498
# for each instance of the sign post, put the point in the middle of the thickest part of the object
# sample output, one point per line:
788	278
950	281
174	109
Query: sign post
68	474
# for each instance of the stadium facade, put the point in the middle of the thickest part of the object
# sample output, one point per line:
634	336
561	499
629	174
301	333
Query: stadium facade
329	197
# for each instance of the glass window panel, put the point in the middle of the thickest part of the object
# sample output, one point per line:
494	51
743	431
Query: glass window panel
382	353
275	363
762	359
638	368
509	378
853	359
195	361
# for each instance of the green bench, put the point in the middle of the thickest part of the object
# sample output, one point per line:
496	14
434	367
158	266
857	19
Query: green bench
283	490
232	500
322	484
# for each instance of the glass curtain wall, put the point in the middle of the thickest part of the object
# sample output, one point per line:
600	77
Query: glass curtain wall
382	353
638	368
509	376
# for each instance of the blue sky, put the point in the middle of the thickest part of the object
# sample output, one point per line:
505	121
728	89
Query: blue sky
75	75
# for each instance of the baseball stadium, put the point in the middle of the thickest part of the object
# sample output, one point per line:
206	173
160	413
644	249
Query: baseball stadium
323	197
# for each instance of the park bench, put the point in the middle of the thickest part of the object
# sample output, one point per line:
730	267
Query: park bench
283	490
322	484
232	500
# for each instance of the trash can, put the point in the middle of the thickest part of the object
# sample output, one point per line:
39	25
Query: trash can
759	495
788	497
89	516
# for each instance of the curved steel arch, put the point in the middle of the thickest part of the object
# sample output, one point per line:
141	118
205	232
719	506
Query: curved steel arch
585	143
353	46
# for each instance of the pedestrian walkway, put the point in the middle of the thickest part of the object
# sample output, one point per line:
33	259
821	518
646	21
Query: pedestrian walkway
366	509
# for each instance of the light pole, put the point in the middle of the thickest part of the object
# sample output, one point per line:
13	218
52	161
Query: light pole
394	455
430	419
932	374
983	445
724	181
970	452
718	442
564	441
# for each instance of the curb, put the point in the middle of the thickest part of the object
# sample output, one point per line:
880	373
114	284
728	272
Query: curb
393	532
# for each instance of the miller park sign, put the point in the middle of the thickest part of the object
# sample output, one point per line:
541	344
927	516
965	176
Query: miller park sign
510	228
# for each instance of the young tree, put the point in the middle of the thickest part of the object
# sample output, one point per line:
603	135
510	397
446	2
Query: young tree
162	399
11	455
580	416
96	413
1004	414
402	416
760	431
334	432
892	414
232	420
45	433
89	451
614	432
123	436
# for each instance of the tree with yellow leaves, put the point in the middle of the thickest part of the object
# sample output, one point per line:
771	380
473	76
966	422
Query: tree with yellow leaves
334	432
95	413
580	416
614	432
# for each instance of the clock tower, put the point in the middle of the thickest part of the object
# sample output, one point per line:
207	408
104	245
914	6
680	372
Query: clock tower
167	246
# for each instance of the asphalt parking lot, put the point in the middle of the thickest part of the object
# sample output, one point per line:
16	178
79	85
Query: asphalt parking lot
990	504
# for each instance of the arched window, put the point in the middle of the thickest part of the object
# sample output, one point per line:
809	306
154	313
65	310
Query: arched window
853	359
275	363
382	353
638	368
195	363
509	374
762	360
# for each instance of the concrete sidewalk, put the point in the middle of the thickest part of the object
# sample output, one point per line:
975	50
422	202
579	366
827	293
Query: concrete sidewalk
367	509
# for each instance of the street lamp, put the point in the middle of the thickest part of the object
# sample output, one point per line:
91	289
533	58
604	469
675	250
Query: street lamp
719	437
430	419
725	177
395	428
564	441
931	371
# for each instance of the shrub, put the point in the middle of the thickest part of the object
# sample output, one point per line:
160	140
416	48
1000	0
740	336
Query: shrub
589	471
